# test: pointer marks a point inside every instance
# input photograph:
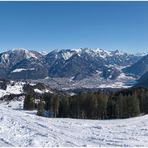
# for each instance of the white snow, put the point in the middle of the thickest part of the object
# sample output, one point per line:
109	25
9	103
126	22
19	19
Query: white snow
18	70
77	50
32	84
102	53
3	93
5	58
28	53
113	85
18	49
43	53
23	128
46	78
21	69
67	54
94	52
123	76
41	91
16	88
141	54
38	91
119	52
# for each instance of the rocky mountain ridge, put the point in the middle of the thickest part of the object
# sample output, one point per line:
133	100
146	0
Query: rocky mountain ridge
79	63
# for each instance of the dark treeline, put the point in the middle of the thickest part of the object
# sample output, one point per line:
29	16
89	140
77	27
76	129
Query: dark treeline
91	105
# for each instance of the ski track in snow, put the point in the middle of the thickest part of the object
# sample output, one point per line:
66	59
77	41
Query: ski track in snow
24	128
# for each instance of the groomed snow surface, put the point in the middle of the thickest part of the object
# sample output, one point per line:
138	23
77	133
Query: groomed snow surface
24	128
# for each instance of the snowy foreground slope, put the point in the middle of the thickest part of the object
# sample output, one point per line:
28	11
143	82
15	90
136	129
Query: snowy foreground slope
23	128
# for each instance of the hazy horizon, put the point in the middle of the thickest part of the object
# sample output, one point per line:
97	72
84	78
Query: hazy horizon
58	49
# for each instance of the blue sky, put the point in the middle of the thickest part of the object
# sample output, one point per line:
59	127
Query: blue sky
57	25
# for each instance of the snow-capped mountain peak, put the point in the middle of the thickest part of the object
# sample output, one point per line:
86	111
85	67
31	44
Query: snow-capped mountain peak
27	53
18	49
93	52
43	53
66	55
30	55
141	54
77	50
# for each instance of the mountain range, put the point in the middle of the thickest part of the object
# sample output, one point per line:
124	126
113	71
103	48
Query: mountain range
77	64
138	68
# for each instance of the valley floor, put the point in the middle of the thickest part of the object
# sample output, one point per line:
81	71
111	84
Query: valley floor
23	128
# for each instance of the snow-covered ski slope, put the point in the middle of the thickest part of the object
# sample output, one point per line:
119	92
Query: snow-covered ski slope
24	128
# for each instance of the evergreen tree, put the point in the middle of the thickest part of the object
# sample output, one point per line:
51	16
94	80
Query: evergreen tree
29	103
111	107
40	108
133	106
64	106
55	105
128	106
102	100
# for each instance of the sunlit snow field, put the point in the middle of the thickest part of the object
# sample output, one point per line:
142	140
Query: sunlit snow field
24	128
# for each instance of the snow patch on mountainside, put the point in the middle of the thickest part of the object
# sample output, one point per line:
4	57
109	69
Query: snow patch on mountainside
5	58
43	53
41	91
113	85
125	77
141	54
28	53
12	88
17	49
22	69
67	55
77	50
16	89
